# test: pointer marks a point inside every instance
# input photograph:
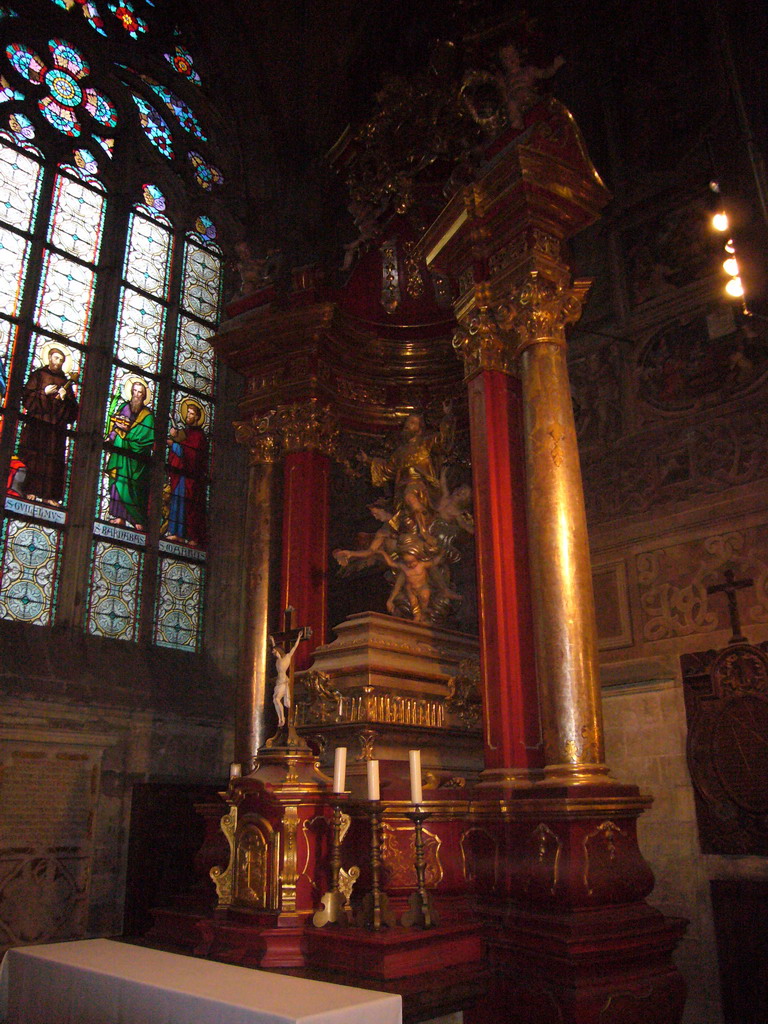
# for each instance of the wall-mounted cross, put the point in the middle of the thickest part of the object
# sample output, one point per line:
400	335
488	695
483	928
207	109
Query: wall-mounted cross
729	588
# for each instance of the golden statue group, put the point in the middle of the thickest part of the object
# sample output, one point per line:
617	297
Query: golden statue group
420	526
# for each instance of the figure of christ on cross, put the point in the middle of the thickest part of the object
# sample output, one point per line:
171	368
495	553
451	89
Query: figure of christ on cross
283	693
729	588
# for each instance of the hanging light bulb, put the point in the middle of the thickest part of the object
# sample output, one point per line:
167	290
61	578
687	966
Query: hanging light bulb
730	247
735	288
720	221
731	267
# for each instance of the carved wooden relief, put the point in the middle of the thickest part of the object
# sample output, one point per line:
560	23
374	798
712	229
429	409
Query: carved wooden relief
726	701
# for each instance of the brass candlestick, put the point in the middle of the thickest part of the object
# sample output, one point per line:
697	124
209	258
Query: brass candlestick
421	913
335	901
376	912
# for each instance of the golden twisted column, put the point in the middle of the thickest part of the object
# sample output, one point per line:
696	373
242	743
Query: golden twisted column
563	604
251	694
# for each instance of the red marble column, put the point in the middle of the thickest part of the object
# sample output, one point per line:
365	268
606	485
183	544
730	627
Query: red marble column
512	731
304	579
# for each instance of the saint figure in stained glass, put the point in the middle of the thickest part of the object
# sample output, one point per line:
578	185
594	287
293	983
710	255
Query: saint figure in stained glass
187	471
51	406
131	430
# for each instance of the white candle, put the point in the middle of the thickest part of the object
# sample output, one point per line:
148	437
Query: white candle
414	758
235	770
373	780
339	769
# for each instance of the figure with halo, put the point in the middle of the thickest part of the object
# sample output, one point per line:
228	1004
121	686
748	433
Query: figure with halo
50	404
131	432
184	497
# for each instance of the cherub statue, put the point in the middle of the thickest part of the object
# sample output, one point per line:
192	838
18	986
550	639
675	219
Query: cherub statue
419	588
520	84
282	694
255	271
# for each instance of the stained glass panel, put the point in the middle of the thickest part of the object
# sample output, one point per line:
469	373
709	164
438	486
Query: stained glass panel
183	112
206	175
148	256
22	131
13	259
114	598
19	186
195	358
62	118
126	15
44	444
202	282
140	327
7	92
7	339
107	145
65	299
77	218
186	488
26	62
130	436
155	128
100	108
179	604
68	58
89	10
29	572
182	62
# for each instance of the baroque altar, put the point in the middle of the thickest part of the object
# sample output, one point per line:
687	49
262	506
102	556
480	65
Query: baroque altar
505	871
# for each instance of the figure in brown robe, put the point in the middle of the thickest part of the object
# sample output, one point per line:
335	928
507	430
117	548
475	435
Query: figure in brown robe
51	406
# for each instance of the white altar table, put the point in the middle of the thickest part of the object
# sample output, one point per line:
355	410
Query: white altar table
99	981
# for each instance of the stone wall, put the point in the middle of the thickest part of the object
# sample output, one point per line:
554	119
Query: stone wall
651	576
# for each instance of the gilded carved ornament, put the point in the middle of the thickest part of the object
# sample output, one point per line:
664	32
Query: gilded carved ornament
307	426
483	345
541	310
257	436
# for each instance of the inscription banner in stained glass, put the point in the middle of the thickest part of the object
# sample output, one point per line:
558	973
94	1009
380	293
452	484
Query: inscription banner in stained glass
148	256
65	299
30	563
195	358
13	260
76	219
140	327
202	282
114	599
178	605
19	185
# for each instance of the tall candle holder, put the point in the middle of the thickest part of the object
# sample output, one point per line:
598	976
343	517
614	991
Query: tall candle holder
421	914
375	911
335	901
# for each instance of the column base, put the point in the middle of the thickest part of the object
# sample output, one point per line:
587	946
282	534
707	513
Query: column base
610	965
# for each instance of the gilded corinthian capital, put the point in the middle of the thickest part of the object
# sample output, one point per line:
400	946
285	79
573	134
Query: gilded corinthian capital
257	435
307	426
541	309
483	345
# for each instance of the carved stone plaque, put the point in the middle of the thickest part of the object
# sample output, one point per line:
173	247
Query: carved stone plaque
48	795
726	702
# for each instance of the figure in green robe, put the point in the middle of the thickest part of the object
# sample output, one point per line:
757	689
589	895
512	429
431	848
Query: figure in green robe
132	433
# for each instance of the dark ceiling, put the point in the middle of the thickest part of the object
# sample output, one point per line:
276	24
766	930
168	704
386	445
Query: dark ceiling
645	80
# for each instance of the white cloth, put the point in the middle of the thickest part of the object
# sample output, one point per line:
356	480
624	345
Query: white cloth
98	981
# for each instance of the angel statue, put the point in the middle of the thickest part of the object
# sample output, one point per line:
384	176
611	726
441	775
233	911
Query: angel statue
419	523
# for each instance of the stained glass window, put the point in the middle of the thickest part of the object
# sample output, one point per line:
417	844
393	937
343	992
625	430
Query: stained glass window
148	304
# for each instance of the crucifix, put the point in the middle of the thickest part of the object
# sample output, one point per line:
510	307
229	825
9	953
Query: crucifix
729	588
283	654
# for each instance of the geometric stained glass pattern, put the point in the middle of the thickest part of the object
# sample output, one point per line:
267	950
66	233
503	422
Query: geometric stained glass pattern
7	339
202	282
181	61
129	19
148	255
64	302
155	128
195	358
113	609
183	112
140	328
13	260
178	604
19	182
29	572
63	82
77	217
206	175
89	11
